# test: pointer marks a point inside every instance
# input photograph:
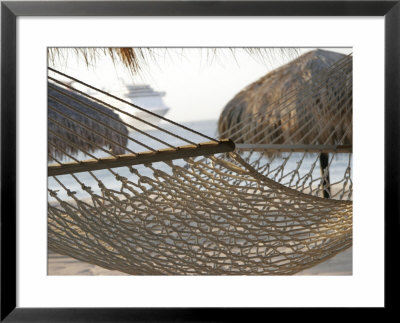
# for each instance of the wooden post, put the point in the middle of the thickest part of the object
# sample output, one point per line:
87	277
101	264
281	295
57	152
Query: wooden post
324	162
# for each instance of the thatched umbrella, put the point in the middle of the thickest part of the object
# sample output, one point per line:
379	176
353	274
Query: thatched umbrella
66	109
263	105
287	107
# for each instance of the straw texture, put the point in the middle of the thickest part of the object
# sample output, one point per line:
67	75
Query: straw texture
67	135
280	109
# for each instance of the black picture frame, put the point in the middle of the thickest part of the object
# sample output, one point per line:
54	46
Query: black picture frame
10	10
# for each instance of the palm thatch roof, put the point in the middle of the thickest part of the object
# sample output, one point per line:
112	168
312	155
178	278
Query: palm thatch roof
66	135
279	108
136	59
133	58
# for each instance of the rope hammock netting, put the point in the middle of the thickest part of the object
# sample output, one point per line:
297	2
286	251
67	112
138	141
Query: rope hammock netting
174	201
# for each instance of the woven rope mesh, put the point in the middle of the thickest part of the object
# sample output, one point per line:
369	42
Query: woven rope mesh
241	212
316	114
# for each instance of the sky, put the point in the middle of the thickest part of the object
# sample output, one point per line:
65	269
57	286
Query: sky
197	84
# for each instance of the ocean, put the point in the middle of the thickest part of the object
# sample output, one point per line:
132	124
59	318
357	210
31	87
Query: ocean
339	164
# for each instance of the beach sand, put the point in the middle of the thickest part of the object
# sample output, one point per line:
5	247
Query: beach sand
59	265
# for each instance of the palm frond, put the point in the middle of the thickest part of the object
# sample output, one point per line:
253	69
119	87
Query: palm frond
136	59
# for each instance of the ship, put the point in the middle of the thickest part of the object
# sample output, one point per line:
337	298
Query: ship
149	102
147	99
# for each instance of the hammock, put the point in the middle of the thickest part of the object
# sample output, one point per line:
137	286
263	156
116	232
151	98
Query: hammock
180	202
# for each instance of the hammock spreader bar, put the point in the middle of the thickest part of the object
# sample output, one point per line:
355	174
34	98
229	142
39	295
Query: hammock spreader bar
202	149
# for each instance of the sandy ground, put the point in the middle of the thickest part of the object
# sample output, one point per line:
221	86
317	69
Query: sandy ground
60	265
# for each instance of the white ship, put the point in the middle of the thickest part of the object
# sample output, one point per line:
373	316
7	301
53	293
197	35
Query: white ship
146	98
141	95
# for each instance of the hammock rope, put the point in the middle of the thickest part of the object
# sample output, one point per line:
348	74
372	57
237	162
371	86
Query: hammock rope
233	212
127	103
